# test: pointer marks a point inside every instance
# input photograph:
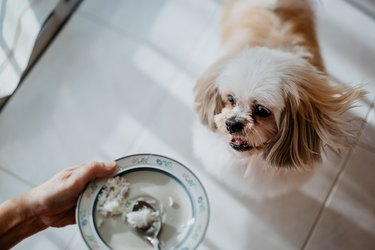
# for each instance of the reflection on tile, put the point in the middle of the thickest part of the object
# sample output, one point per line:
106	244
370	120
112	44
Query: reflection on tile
346	44
73	102
348	221
153	24
133	17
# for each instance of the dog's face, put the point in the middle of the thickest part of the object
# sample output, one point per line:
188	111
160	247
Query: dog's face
250	87
272	103
249	122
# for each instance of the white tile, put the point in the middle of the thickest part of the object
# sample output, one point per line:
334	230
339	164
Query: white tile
77	242
208	47
171	28
85	99
279	223
51	238
134	17
10	186
348	221
347	43
368	136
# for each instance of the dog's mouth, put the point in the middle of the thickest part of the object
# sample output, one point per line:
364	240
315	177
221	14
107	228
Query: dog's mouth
240	144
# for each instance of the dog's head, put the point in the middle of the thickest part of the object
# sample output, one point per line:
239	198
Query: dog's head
275	104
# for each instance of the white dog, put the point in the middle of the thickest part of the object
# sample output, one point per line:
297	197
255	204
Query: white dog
266	109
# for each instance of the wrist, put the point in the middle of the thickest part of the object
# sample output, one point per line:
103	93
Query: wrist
18	220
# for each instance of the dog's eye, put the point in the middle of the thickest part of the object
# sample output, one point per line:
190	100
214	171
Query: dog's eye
231	99
261	111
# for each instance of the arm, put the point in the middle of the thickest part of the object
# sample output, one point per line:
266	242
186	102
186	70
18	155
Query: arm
17	221
51	204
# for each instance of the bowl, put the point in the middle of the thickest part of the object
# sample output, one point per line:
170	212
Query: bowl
179	192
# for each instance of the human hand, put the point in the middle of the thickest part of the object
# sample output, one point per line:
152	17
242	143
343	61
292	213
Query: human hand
51	204
54	202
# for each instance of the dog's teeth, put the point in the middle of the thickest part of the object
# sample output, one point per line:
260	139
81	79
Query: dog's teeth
238	141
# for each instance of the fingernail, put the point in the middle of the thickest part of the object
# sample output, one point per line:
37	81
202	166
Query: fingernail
110	164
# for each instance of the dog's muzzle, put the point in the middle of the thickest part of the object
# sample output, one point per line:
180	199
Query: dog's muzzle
233	125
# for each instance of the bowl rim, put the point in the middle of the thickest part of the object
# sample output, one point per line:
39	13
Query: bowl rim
146	165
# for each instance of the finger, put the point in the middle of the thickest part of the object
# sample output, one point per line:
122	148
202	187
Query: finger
90	171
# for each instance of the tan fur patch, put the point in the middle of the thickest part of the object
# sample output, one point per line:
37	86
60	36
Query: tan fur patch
288	27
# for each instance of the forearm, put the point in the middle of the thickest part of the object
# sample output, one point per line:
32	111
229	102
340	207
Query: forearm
17	221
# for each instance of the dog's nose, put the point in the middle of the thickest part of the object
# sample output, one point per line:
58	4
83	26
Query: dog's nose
233	126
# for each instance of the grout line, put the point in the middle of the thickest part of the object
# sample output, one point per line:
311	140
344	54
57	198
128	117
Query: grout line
72	240
89	16
324	203
210	244
366	147
42	51
129	34
11	55
365	125
7	171
371	105
361	8
335	181
134	37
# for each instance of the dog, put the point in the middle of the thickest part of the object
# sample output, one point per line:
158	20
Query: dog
266	110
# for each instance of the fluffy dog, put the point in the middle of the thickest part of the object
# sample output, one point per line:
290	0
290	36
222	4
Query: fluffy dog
267	112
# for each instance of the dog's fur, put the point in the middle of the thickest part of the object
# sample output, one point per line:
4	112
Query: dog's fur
267	108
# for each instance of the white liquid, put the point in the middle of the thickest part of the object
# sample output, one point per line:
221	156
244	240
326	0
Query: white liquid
118	234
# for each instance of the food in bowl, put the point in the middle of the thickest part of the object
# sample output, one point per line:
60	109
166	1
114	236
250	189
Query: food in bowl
113	198
113	201
154	187
171	188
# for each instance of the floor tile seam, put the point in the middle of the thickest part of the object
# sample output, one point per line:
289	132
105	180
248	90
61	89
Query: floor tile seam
361	85
69	244
91	17
327	198
16	176
339	173
366	147
100	21
361	144
96	20
365	119
204	30
362	9
131	36
88	16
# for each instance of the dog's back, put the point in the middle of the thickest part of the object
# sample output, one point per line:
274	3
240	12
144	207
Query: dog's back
286	25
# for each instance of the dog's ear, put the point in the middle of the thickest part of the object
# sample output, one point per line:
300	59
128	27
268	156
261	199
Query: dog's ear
313	120
297	142
208	101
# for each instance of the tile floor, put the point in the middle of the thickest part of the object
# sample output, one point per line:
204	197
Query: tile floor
118	80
